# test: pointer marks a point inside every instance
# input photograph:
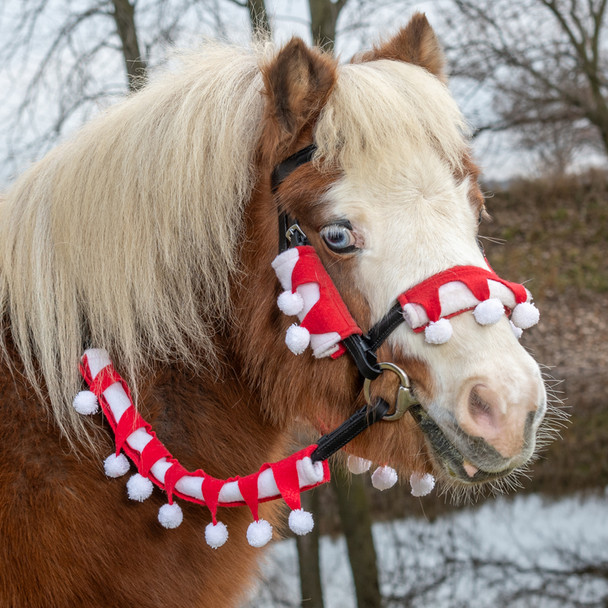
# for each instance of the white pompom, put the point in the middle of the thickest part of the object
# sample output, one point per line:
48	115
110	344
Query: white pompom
85	403
489	311
301	522
517	331
290	303
384	478
216	534
297	339
139	487
358	465
259	533
116	466
170	516
525	315
439	332
422	483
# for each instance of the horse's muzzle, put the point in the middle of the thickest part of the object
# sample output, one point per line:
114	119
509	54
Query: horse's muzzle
470	459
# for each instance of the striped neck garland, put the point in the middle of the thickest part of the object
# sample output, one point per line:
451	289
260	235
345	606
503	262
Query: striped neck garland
135	438
155	465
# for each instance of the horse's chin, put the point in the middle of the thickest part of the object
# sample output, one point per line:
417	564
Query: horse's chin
450	463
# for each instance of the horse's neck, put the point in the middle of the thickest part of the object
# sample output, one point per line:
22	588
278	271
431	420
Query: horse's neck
211	422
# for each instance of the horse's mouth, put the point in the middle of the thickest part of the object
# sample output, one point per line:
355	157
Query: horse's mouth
448	456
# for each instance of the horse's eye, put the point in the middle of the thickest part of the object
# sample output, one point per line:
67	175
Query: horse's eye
339	237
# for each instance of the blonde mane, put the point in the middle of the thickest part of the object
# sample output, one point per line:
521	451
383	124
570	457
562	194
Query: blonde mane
124	237
377	106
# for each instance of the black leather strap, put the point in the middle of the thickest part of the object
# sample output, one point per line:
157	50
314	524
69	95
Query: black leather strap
383	329
284	224
280	173
363	355
362	419
284	169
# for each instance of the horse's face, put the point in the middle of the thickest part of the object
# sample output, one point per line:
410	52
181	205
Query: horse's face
481	390
399	207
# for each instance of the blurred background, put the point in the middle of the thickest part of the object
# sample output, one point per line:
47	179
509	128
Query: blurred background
531	77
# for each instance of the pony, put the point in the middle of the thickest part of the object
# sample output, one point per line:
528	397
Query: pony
151	233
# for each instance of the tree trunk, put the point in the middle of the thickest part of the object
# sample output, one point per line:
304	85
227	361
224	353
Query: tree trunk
323	18
353	505
124	16
308	557
260	24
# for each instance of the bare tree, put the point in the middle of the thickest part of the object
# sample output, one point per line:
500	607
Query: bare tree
59	71
545	62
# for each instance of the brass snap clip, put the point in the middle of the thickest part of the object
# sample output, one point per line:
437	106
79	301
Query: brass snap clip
404	399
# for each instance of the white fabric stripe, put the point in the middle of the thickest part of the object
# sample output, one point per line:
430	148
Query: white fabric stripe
284	264
310	294
502	292
324	345
160	468
415	315
117	399
455	296
98	358
139	439
267	486
309	473
190	485
230	493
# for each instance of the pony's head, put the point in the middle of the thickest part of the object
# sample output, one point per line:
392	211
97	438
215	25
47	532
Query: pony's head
151	233
389	199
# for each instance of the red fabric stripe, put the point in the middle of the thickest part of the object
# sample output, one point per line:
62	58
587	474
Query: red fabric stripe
152	452
105	378
286	477
129	421
249	490
172	476
329	314
211	489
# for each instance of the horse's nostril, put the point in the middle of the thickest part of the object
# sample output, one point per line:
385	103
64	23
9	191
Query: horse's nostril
484	406
485	413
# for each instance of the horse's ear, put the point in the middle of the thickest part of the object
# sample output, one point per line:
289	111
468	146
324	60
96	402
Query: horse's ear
297	83
415	43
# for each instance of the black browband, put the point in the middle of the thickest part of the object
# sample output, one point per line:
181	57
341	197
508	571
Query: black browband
361	348
285	168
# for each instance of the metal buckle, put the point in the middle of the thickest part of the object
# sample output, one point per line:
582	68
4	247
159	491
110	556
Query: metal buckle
404	399
294	231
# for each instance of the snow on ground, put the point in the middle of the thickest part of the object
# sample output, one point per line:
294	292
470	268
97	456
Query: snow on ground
522	552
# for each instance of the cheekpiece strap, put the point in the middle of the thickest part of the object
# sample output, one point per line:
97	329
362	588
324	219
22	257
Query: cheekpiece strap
280	173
